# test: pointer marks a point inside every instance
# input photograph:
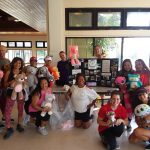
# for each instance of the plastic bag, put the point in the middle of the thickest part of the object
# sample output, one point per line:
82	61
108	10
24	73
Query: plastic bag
62	119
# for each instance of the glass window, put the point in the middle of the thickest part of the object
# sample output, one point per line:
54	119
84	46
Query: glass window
137	48
109	19
85	46
27	44
19	44
41	55
80	19
138	19
11	44
4	43
39	44
24	54
46	44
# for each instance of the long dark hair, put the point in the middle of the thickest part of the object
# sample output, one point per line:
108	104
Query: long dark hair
126	60
15	59
37	90
145	68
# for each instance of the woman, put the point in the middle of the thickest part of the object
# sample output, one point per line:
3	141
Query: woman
144	73
111	119
82	99
98	52
141	133
35	108
127	100
16	68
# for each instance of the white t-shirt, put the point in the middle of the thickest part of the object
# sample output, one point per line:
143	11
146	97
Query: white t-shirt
81	97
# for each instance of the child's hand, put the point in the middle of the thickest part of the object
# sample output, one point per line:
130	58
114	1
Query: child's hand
119	121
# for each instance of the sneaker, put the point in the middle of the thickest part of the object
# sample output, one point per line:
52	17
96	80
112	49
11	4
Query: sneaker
8	133
43	130
26	119
19	128
147	147
117	146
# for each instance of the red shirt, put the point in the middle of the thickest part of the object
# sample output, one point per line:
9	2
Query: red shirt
120	113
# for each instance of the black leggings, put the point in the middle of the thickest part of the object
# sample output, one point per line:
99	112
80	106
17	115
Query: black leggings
110	134
39	118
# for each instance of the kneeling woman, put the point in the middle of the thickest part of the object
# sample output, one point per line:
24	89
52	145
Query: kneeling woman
35	109
111	119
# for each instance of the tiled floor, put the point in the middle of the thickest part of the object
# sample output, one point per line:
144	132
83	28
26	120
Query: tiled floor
74	139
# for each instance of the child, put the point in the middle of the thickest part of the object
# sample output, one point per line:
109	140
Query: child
82	98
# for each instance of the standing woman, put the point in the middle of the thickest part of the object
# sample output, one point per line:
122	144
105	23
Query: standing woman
144	73
16	68
127	100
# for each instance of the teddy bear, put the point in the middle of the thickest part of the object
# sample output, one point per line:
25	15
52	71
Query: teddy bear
31	77
142	111
74	55
43	72
18	86
134	81
111	117
48	103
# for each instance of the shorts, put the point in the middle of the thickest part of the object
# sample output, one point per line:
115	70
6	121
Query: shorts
85	116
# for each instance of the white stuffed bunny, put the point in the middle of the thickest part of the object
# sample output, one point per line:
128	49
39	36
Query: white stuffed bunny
48	103
111	117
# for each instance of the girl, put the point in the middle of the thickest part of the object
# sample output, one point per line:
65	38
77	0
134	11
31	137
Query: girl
144	73
141	133
127	102
16	67
35	109
110	129
82	99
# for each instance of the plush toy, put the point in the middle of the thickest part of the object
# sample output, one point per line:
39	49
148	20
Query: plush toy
48	103
54	72
31	77
18	86
43	72
142	111
120	80
111	117
134	81
74	55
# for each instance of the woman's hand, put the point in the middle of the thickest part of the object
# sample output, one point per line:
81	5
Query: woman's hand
119	121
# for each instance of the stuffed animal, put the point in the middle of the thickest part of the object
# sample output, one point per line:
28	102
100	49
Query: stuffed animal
18	86
120	80
74	55
111	117
43	72
142	111
31	77
134	81
55	73
48	103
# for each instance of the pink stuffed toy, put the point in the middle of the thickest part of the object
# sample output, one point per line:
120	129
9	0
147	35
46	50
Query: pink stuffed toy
74	55
120	80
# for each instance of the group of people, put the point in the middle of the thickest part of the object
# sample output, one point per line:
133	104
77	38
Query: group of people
112	117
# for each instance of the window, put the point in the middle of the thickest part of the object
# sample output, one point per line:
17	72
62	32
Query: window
138	19
85	46
24	54
19	44
40	56
41	44
109	19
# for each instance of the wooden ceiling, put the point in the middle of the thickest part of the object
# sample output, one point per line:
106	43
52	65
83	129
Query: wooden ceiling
31	13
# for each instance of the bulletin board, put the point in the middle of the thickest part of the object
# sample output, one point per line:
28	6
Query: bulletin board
98	72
